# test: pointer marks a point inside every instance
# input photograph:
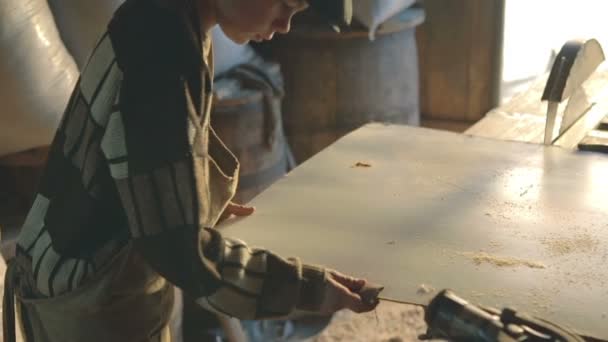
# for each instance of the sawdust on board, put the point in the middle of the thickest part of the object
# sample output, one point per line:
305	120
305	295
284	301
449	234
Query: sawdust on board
361	164
500	261
578	244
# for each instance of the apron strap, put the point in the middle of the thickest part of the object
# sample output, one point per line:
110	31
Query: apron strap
8	305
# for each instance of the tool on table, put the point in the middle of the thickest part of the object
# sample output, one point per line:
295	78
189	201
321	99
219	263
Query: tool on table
576	61
451	317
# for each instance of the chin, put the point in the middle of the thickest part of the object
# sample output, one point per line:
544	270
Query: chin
241	40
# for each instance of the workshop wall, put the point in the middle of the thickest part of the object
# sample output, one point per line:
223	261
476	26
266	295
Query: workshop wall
460	47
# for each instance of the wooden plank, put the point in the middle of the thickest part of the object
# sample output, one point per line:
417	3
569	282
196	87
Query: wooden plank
604	124
460	58
575	134
595	141
486	44
502	223
510	126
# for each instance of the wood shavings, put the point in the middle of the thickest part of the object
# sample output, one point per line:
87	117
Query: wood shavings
499	261
362	164
577	244
424	289
495	244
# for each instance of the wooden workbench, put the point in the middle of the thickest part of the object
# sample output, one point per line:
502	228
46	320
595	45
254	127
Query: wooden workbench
501	223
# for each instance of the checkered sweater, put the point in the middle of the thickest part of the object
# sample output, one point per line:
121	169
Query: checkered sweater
123	168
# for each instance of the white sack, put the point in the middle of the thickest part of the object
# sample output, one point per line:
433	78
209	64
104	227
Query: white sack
37	75
372	13
81	23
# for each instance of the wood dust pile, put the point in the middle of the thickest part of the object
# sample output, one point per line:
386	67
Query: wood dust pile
577	244
500	261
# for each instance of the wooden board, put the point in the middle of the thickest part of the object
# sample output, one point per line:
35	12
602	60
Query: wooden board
596	141
604	124
460	58
432	203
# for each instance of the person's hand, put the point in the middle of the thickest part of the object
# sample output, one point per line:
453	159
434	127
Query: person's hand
344	292
236	210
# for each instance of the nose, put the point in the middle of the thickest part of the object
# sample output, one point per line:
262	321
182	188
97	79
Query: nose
282	25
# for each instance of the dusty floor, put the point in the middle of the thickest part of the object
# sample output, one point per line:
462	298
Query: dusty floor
394	323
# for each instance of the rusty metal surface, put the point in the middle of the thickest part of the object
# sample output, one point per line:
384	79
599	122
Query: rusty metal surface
500	223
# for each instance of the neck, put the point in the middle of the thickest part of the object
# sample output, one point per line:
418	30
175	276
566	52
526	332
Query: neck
207	14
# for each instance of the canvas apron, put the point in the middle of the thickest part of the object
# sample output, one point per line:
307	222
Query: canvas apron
127	301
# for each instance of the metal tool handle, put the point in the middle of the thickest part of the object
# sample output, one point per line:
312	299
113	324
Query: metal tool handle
451	317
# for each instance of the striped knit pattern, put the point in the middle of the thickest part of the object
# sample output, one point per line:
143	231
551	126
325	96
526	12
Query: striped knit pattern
135	158
76	149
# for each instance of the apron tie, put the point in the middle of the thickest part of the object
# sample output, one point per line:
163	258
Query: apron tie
8	305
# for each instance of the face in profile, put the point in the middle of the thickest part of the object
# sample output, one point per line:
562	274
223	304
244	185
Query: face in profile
258	20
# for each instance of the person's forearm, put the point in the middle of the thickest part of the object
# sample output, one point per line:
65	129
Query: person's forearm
228	277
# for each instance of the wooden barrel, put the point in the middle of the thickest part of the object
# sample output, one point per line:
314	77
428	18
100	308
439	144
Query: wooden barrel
247	117
336	82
